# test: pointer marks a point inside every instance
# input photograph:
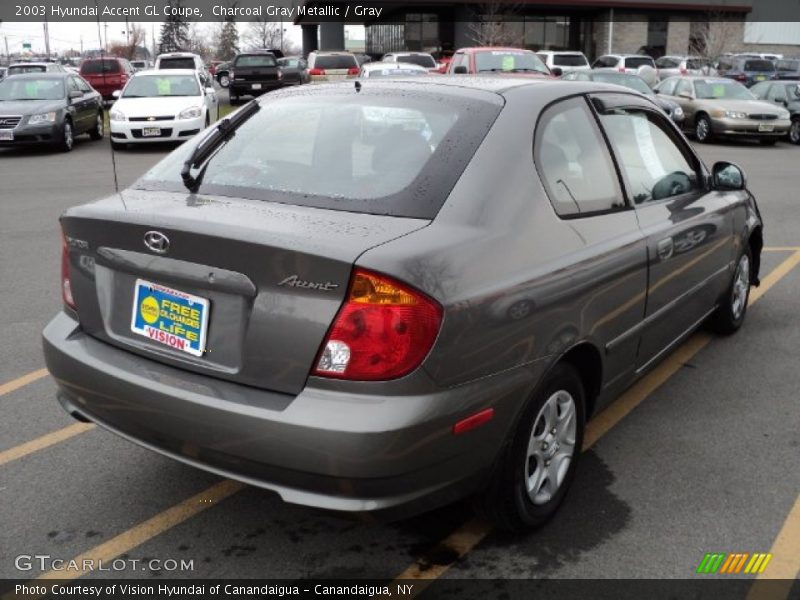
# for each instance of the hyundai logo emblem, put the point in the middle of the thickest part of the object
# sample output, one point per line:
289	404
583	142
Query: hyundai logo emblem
156	241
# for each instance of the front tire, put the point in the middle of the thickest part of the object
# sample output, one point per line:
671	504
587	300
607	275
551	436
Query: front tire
794	132
537	467
702	129
730	314
97	132
224	81
67	137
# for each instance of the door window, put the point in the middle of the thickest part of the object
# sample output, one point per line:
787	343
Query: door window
573	161
683	87
653	166
777	94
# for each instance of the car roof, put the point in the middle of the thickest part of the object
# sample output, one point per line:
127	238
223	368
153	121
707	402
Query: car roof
30	64
177	55
46	75
476	49
332	52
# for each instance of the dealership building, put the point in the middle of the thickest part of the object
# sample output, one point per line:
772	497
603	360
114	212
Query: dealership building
594	27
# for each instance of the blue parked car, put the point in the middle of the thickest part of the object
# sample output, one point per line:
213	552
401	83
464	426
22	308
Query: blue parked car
748	71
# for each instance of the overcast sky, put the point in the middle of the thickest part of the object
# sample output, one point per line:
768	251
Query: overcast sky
64	36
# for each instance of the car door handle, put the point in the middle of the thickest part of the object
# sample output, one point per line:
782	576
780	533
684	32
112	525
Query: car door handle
664	248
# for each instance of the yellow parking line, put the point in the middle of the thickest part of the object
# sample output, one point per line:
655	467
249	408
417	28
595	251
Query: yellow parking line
785	563
19	382
466	537
40	443
781	249
146	530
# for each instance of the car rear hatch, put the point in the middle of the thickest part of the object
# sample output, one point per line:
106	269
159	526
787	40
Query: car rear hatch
334	67
262	281
105	77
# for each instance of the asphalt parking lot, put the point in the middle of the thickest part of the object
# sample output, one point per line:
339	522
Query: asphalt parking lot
700	456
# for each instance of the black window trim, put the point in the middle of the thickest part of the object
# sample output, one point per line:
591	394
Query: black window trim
626	204
701	173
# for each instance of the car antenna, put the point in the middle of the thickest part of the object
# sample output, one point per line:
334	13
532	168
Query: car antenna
103	71
358	86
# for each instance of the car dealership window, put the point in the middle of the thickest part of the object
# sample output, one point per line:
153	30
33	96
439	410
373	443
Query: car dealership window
573	161
653	166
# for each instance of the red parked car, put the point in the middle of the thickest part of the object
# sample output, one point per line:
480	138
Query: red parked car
497	60
106	74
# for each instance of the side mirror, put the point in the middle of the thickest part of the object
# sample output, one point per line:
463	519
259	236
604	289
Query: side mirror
75	95
656	91
557	71
460	70
116	93
728	176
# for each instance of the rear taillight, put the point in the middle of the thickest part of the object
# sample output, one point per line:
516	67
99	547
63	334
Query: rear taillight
384	330
683	71
621	69
231	75
66	284
316	71
353	71
740	77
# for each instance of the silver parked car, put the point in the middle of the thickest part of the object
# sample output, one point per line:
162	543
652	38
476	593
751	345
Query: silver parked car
336	314
720	107
675	65
638	64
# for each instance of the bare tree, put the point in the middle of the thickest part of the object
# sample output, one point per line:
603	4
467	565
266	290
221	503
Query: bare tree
263	33
718	34
494	24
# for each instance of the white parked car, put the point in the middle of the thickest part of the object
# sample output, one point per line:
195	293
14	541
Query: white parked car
423	59
184	60
391	69
162	106
638	64
568	61
332	66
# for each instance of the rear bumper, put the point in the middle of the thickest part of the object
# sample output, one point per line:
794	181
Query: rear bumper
245	88
390	456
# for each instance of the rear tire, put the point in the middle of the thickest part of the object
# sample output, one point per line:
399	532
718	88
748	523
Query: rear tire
730	314
224	81
234	100
702	129
535	470
96	133
117	146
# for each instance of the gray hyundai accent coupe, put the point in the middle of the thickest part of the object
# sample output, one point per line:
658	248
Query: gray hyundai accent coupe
385	296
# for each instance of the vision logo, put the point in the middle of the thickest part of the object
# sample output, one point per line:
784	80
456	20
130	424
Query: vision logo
742	562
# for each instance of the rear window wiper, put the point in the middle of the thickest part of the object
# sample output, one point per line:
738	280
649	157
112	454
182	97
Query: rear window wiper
220	134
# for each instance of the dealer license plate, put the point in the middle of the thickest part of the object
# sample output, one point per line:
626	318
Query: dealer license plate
151	132
170	317
6	135
766	127
256	86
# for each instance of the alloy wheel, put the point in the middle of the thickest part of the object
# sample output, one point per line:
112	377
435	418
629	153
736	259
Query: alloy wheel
794	132
741	285
551	447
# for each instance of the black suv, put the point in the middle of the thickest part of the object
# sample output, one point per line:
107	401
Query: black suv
254	73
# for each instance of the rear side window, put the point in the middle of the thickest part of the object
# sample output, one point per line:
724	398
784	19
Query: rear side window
98	67
653	166
372	152
573	161
788	65
335	61
635	62
256	60
176	63
759	65
569	60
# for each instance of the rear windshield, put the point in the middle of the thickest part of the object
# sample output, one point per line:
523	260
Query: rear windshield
256	60
569	60
696	64
759	65
385	150
19	69
667	62
392	72
32	89
509	61
423	60
176	63
637	61
629	81
336	61
98	67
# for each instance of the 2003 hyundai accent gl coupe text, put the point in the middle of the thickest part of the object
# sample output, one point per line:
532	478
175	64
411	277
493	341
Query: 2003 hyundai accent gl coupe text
381	297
